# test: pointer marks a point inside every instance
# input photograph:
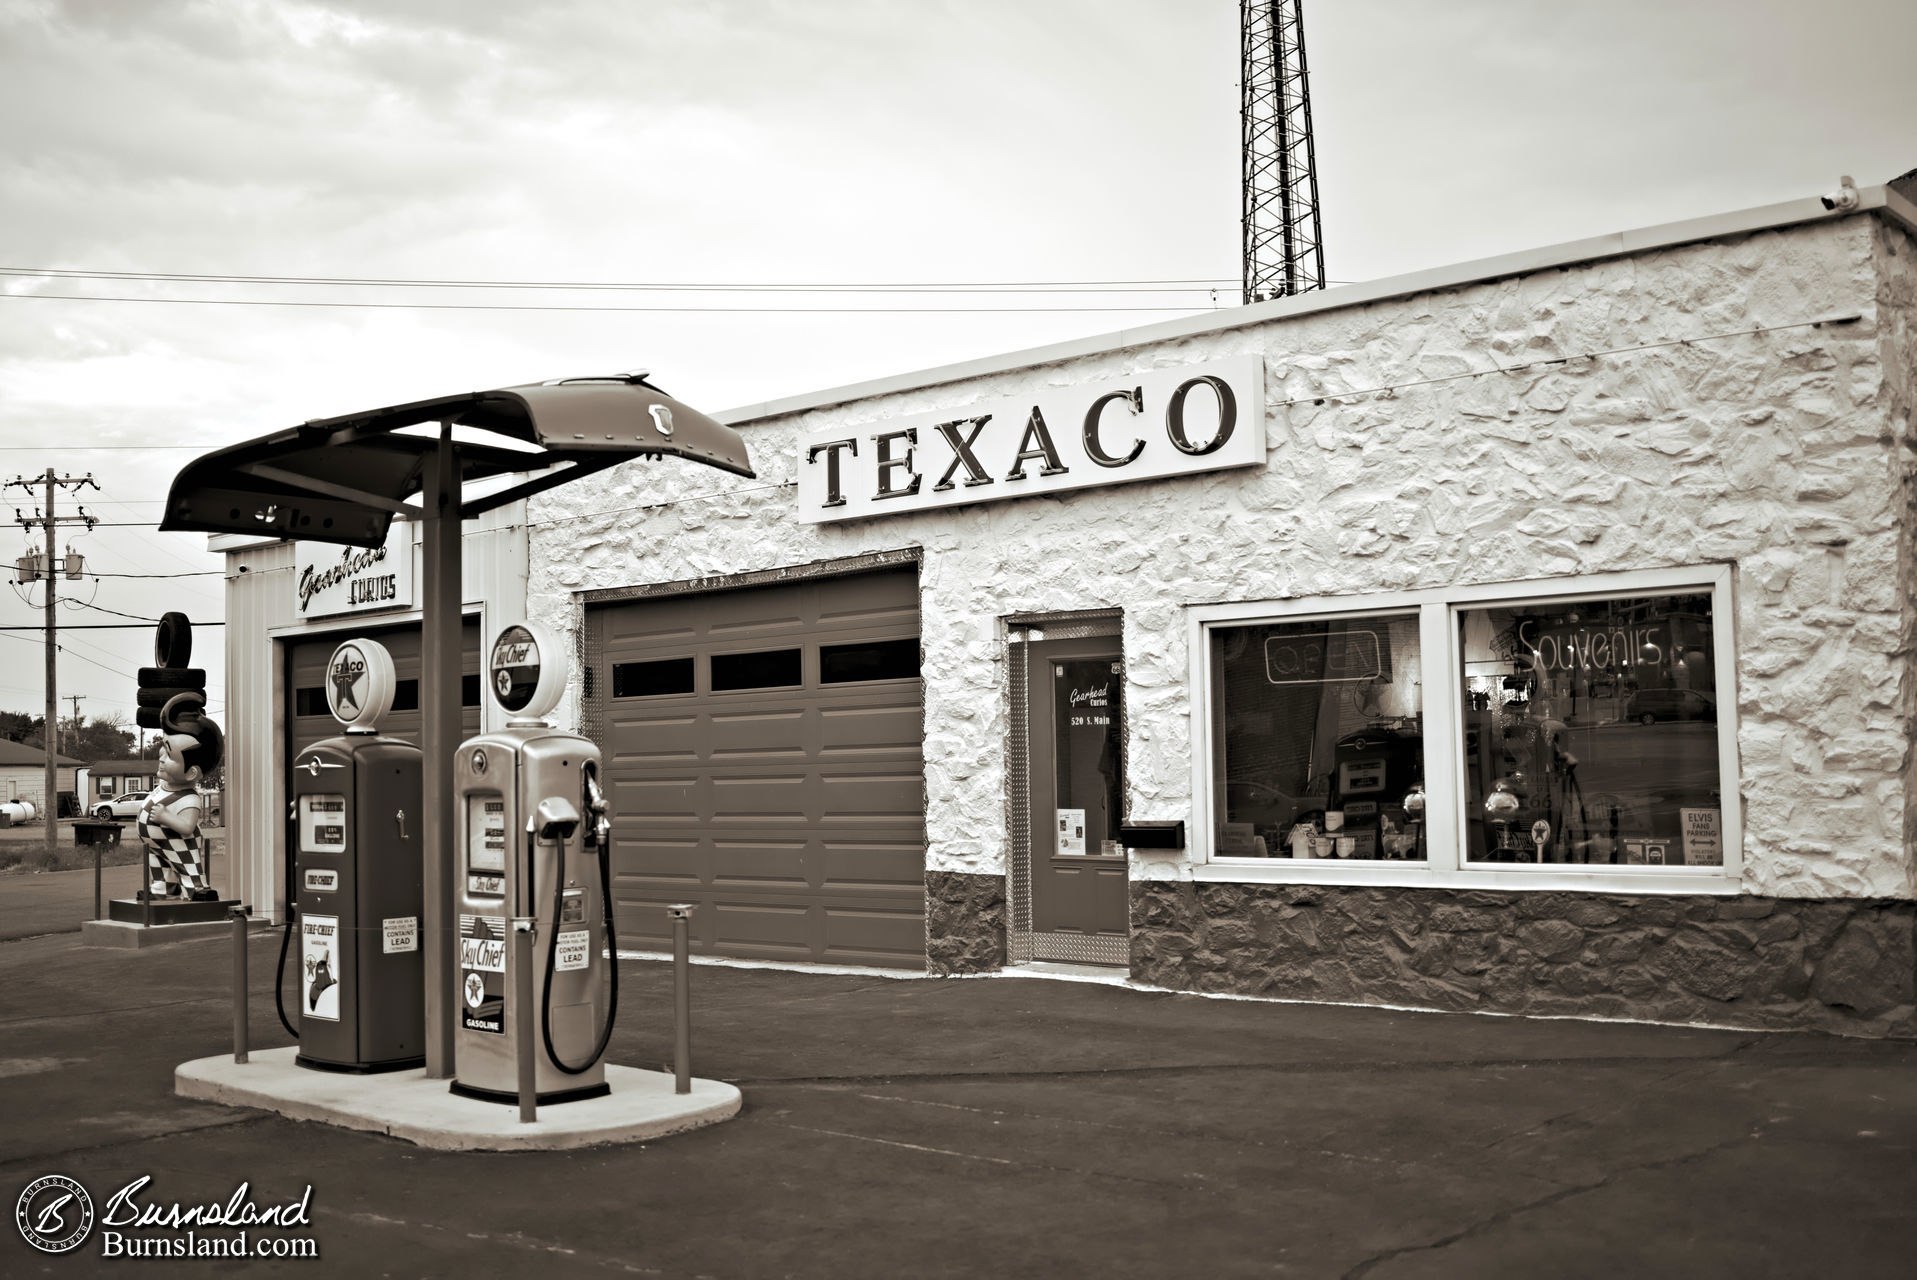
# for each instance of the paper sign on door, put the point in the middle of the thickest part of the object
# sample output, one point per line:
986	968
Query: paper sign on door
1071	831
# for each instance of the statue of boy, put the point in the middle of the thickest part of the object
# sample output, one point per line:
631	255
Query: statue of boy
169	821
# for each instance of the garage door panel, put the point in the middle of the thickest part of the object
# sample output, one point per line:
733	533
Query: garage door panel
848	866
760	800
863	798
653	798
679	859
727	635
869	730
665	631
642	922
850	932
762	923
755	732
902	614
755	867
793	816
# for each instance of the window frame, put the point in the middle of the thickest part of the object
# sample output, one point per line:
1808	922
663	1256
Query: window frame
1441	650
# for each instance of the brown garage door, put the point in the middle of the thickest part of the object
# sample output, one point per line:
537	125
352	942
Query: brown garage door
765	750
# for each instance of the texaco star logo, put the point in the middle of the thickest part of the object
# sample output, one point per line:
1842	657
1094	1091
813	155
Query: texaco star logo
347	673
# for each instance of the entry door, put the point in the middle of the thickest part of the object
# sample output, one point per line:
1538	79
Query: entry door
1079	891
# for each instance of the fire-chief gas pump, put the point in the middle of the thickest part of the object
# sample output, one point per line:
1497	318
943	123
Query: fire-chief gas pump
356	814
533	841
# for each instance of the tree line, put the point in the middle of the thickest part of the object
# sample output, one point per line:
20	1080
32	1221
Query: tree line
95	739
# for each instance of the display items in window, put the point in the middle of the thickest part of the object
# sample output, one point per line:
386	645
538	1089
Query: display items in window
1319	746
1590	733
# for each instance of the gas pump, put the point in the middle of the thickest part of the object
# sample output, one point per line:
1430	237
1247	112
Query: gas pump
356	808
532	842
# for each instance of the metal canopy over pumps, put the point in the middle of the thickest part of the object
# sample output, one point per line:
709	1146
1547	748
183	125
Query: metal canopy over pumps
344	479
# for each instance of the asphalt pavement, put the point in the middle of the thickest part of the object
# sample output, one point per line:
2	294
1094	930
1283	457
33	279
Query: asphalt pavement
34	903
1004	1126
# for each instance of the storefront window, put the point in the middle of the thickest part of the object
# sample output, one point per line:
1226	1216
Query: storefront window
1590	733
1585	736
1318	748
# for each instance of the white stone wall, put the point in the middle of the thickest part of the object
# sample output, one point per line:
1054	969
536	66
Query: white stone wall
1896	263
1771	451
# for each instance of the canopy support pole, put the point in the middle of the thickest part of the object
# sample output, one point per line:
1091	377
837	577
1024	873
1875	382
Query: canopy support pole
439	689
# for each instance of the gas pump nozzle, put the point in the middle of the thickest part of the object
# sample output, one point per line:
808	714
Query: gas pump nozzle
595	798
555	819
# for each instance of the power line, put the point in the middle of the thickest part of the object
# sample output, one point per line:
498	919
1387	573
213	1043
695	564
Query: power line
69	651
506	306
100	608
1186	284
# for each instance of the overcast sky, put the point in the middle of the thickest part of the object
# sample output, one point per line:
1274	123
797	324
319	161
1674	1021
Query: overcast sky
761	142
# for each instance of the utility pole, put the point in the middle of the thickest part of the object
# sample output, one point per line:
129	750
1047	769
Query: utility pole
51	523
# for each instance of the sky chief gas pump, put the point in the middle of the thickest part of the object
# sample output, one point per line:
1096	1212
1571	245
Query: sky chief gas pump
532	841
357	873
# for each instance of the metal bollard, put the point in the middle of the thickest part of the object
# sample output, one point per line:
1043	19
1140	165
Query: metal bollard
97	912
681	914
239	984
523	1028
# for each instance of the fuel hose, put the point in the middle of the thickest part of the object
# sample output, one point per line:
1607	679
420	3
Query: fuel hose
279	977
552	958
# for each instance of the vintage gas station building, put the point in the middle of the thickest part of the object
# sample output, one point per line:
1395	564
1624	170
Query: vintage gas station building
1534	635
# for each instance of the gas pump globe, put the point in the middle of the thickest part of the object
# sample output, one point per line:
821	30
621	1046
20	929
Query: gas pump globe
357	873
532	842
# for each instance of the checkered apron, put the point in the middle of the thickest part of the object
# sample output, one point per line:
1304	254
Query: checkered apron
172	859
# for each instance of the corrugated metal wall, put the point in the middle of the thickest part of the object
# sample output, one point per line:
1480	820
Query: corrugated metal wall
261	612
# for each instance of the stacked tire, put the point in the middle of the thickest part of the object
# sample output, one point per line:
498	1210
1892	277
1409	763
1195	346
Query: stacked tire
171	691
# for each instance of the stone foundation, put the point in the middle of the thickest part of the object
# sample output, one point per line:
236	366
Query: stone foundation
1845	966
964	922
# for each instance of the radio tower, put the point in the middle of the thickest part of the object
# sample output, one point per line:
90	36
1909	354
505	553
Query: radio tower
1283	252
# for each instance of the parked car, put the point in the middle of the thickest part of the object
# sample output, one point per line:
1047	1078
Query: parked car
1648	706
125	805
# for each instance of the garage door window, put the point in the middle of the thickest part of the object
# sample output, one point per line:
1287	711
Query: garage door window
651	679
770	669
873	660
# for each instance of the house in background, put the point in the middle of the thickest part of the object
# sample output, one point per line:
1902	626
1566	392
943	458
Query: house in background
109	778
23	773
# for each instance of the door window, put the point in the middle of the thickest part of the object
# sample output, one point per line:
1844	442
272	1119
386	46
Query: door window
1086	725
